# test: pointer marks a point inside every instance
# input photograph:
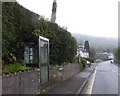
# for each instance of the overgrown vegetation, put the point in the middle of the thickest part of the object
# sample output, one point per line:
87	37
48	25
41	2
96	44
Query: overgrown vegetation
90	60
20	24
117	55
76	60
11	68
82	63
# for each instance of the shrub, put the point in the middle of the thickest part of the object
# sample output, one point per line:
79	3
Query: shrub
11	68
90	59
82	63
76	59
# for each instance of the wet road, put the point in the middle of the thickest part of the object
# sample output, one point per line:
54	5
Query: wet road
104	80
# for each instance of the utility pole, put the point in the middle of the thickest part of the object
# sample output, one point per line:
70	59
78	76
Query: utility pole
54	7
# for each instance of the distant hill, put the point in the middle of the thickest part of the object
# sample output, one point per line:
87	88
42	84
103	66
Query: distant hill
99	43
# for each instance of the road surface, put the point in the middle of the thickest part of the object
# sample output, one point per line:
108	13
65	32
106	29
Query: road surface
104	80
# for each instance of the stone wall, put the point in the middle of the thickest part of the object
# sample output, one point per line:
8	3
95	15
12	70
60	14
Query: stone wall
20	83
59	73
70	69
28	82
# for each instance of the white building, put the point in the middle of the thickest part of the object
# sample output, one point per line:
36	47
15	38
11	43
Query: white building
82	52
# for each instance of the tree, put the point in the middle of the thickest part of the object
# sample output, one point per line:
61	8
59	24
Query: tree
87	47
20	24
92	52
17	26
62	45
117	55
8	32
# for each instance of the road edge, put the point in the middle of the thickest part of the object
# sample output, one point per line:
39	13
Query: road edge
83	85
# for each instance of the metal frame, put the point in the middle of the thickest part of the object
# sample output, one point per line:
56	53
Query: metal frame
39	64
39	60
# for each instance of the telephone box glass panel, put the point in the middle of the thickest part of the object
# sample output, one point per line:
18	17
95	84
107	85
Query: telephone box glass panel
44	74
43	51
26	54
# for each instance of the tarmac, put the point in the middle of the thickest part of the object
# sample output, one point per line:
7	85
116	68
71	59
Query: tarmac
73	85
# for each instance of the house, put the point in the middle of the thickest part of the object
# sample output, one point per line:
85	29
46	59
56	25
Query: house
82	52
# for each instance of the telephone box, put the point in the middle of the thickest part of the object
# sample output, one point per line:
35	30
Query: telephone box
37	55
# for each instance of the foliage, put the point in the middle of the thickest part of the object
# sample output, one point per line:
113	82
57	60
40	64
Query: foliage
90	60
87	47
117	55
82	63
16	29
62	45
76	59
20	24
14	68
54	6
92	52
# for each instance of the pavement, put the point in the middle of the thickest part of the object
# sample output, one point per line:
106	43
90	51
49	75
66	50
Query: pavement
73	85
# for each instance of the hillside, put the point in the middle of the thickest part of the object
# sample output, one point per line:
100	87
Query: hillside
99	43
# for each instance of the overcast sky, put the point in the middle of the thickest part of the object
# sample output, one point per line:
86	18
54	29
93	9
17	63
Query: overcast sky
91	17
